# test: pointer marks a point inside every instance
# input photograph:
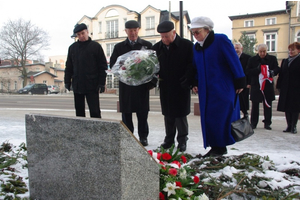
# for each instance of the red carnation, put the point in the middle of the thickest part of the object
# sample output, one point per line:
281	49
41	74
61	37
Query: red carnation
196	179
183	158
158	156
161	196
173	172
166	156
178	184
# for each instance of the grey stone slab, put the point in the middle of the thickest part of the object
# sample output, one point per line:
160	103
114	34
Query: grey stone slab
87	158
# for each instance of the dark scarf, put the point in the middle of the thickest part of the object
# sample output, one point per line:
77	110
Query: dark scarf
290	59
208	41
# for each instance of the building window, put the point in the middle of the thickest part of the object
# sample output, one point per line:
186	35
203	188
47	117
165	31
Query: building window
109	81
116	82
112	29
125	20
16	85
251	36
249	23
150	26
270	21
298	37
100	27
270	40
109	49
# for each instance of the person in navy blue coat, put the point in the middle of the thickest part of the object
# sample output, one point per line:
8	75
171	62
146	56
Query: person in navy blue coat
220	77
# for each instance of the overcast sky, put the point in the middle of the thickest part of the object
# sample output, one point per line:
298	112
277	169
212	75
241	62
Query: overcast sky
58	17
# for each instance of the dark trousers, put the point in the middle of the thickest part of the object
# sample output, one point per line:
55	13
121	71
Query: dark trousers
255	113
92	101
171	124
291	119
143	128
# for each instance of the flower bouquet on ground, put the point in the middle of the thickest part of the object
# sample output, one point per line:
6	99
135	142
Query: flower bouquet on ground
177	179
136	67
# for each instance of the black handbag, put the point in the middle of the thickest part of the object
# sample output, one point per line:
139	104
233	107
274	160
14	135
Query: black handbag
241	129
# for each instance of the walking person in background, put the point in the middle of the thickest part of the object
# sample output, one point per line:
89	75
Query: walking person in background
261	69
85	71
288	84
244	95
220	78
175	55
134	98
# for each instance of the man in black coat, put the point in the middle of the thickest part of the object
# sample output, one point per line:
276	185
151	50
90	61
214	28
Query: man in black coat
175	55
85	71
256	95
244	95
133	98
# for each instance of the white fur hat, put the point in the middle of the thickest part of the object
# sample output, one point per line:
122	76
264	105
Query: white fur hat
200	22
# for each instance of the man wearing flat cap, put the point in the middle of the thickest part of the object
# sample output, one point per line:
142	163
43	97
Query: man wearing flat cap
85	71
133	99
175	55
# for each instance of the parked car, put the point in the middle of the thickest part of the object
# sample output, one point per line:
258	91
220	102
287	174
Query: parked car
36	88
53	89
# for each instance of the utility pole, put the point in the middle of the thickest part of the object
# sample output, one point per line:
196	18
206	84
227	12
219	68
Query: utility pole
169	10
181	18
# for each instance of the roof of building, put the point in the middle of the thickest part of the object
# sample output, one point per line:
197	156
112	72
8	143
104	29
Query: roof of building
35	74
257	14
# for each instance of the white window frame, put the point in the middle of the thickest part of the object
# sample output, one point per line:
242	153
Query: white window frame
100	27
297	37
150	25
109	49
112	28
246	23
272	42
273	21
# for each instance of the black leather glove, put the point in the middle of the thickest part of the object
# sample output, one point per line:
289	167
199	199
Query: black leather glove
101	88
152	83
68	86
259	68
271	72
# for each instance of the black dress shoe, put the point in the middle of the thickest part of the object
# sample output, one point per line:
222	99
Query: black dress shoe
253	126
288	129
144	142
182	147
294	130
268	127
216	151
166	145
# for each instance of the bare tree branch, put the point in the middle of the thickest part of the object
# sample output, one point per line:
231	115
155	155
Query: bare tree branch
21	40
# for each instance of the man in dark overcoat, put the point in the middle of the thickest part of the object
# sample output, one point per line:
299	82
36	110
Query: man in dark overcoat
175	55
244	95
256	95
133	98
86	71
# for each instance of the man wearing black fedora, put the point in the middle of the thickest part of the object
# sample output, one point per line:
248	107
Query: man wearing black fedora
133	99
175	55
85	71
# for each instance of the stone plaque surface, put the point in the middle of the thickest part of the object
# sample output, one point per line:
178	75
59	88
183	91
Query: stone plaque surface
87	158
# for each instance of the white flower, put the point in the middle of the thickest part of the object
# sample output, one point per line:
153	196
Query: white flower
201	197
182	173
170	188
188	192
